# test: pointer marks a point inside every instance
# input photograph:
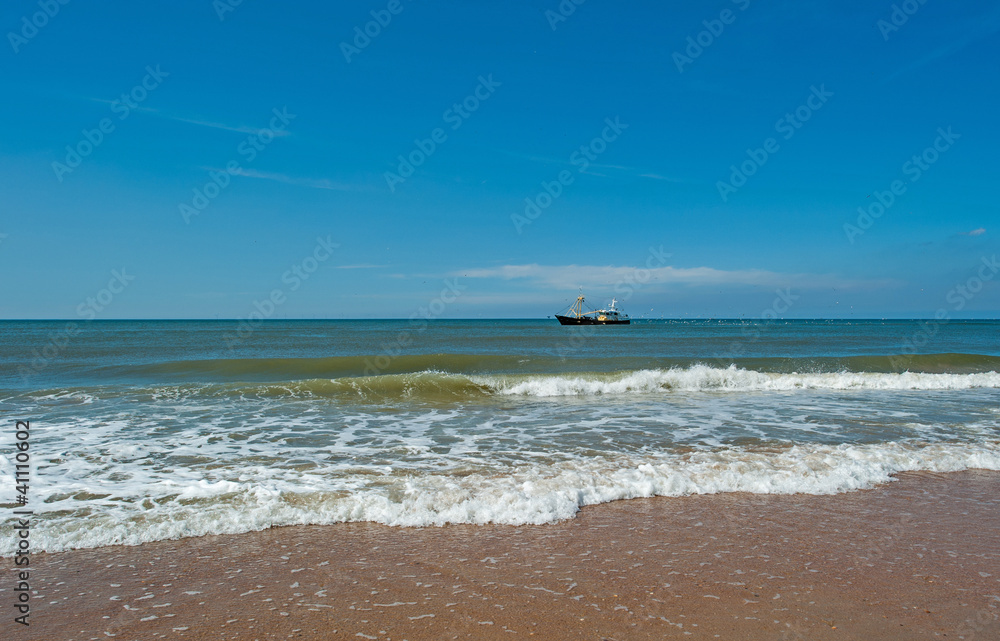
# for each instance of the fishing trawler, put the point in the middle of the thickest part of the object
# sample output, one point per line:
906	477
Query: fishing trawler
576	316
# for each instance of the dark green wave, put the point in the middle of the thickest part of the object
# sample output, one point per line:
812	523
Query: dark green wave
292	369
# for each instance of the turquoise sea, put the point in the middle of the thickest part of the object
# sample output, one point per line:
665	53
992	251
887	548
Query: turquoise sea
147	430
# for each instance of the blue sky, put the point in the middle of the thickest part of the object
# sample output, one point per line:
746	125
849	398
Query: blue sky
310	138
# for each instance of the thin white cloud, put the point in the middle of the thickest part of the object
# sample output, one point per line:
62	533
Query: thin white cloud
659	177
574	276
973	31
321	183
218	125
975	232
196	121
566	162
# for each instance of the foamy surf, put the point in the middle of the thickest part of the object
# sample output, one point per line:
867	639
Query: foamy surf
255	498
732	379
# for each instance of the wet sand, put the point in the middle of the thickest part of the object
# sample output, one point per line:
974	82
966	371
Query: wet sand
915	559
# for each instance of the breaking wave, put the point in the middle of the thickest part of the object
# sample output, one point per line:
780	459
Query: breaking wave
252	498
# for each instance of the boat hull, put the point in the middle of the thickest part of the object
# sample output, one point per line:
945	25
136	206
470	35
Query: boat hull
572	320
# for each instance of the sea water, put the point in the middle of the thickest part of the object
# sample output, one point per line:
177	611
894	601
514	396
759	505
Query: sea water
148	430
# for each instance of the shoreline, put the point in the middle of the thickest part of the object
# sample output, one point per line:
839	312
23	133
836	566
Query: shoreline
917	558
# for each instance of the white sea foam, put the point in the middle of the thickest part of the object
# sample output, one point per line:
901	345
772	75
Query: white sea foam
706	378
258	497
131	469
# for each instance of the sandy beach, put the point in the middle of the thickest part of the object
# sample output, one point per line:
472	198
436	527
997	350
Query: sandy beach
914	559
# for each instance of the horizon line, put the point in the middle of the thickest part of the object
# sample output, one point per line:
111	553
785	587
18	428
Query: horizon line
505	318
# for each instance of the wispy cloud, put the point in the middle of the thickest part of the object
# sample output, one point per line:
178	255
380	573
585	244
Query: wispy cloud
659	177
278	133
973	31
539	159
975	232
361	266
196	121
574	276
566	162
315	183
